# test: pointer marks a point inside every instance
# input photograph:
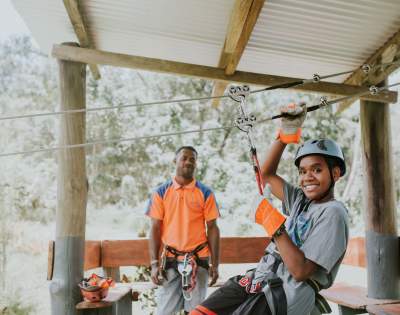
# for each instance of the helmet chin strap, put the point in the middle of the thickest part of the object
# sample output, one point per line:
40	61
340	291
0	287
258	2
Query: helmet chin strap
332	182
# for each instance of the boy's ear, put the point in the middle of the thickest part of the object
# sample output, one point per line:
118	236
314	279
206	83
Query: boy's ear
336	173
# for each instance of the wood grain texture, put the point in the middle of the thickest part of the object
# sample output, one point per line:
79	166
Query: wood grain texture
212	73
354	297
81	31
387	309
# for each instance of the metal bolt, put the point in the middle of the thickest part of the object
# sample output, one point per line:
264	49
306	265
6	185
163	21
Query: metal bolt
316	78
373	90
366	68
324	101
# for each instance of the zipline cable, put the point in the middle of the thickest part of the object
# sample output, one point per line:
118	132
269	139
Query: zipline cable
316	78
88	144
323	103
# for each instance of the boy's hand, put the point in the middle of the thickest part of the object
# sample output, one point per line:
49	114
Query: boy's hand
290	131
155	274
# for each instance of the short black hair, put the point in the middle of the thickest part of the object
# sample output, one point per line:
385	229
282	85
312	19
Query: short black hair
186	147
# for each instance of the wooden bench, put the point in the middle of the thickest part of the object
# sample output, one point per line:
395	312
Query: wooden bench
113	254
352	299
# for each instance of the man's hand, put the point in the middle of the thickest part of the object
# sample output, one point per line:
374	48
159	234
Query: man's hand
291	123
213	274
155	272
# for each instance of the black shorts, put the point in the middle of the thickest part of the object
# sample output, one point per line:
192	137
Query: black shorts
233	299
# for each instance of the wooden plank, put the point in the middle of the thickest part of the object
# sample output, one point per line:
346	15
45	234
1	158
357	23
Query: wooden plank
50	260
385	54
355	253
354	297
247	29
92	255
218	89
243	19
81	32
157	65
242	250
125	253
387	309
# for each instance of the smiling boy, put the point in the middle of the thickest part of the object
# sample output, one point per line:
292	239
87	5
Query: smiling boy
308	245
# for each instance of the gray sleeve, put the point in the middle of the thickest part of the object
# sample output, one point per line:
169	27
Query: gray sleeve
327	241
290	195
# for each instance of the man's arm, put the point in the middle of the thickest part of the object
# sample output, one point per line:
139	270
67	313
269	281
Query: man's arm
298	265
270	166
154	247
213	243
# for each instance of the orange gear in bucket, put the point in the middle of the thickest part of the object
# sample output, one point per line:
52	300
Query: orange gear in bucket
95	288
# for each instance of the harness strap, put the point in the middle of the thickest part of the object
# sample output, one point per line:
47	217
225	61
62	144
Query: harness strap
278	295
178	253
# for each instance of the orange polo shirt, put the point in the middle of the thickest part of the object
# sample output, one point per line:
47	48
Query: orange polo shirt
184	211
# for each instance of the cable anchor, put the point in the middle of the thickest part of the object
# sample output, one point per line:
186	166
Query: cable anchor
374	90
366	68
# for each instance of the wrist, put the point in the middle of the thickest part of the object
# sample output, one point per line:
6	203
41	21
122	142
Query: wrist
279	231
287	137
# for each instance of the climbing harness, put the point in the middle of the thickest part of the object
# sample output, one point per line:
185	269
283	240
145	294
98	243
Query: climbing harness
187	267
245	122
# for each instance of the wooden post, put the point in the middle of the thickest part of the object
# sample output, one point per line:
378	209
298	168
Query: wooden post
382	242
71	193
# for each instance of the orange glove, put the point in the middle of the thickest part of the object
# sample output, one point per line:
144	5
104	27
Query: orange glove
290	131
269	217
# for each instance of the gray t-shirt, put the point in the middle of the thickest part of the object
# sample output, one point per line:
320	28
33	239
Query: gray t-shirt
320	230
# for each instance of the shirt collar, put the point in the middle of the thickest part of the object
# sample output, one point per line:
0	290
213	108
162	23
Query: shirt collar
176	186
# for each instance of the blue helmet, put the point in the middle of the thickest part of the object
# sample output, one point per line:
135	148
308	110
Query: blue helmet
324	147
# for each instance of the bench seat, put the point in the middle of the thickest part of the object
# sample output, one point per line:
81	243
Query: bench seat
387	309
352	299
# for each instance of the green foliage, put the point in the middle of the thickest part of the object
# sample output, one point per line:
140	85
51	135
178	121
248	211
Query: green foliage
15	306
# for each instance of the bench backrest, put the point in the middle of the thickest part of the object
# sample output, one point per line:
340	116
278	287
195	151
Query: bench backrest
233	250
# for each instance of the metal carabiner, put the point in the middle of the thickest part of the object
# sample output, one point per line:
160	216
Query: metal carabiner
245	122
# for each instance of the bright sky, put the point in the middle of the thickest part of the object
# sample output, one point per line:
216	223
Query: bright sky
10	21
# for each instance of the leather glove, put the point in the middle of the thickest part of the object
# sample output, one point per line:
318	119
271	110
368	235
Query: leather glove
290	131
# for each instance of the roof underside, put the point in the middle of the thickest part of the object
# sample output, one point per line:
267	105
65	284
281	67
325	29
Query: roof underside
293	38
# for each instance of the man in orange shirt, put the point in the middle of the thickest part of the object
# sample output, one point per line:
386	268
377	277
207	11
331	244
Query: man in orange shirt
183	214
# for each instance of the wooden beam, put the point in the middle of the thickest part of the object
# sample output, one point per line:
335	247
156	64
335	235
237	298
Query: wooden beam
71	192
79	27
382	242
87	55
387	53
243	19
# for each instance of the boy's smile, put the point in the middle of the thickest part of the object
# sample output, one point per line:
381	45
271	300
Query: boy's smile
315	178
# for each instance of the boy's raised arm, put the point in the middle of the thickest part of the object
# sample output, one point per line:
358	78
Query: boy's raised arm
289	132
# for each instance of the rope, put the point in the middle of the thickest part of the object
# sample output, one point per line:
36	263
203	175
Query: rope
316	78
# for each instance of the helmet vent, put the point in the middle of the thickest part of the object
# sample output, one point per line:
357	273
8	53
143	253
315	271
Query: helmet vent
321	145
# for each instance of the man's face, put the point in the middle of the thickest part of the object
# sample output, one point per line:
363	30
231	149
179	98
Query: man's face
185	163
314	176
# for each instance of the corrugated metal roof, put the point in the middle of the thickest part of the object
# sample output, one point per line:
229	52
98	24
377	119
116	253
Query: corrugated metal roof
291	38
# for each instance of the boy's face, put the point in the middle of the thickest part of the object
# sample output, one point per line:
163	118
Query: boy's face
315	178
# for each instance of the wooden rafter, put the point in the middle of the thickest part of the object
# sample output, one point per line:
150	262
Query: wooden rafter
78	24
242	21
387	53
87	55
